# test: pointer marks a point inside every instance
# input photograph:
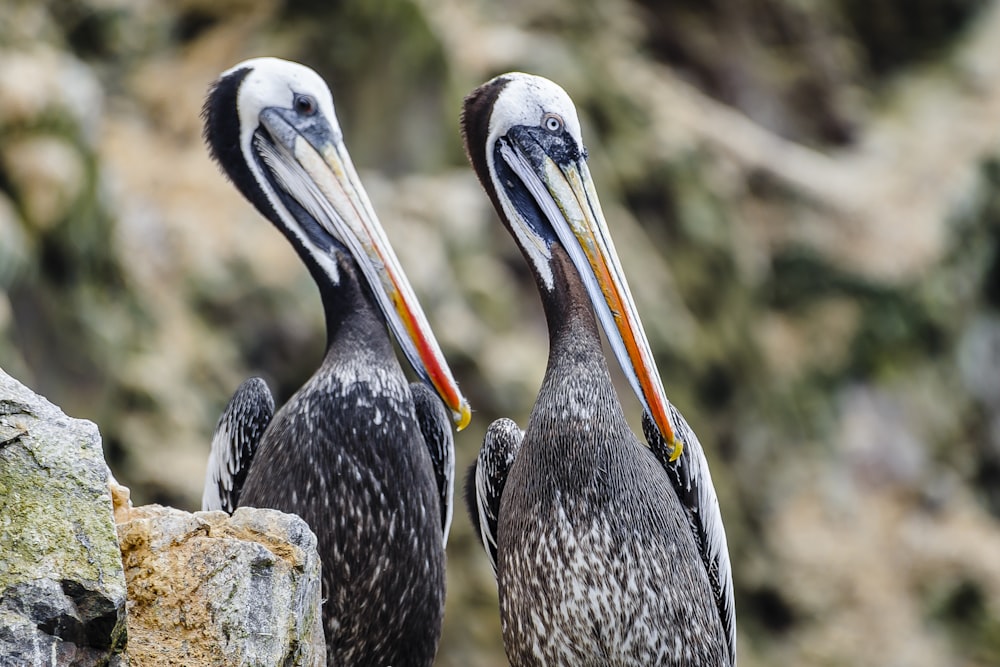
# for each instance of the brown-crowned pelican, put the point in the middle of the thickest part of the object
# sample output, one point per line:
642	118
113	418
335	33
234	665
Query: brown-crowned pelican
606	551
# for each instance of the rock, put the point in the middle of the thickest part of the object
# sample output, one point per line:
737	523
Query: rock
62	587
210	589
203	589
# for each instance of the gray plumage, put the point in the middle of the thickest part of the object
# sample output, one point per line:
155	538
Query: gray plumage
689	476
597	561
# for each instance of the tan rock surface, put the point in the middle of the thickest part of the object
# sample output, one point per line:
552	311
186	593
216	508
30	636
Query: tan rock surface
210	589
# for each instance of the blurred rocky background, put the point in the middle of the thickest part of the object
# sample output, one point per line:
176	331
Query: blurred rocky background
806	198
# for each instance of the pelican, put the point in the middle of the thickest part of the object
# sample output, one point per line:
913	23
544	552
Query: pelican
606	551
365	457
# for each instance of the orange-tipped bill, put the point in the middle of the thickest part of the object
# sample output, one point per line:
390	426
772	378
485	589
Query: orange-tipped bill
565	194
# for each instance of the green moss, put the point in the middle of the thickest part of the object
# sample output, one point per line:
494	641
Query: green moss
55	512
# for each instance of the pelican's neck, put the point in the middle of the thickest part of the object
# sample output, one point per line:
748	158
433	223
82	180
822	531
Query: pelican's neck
577	372
574	337
353	320
577	413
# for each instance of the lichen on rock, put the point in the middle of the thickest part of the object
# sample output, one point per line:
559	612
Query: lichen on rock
62	587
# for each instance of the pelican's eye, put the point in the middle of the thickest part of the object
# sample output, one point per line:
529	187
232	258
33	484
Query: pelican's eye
305	104
552	122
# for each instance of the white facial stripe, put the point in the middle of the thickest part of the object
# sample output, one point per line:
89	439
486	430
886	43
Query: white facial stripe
273	82
534	246
525	100
295	181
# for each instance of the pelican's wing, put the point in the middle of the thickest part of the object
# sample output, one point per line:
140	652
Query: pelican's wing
437	431
233	445
693	483
486	479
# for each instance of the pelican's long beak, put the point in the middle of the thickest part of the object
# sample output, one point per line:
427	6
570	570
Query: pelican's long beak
566	195
311	164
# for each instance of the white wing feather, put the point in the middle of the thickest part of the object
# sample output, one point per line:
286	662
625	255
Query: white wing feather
234	443
500	447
